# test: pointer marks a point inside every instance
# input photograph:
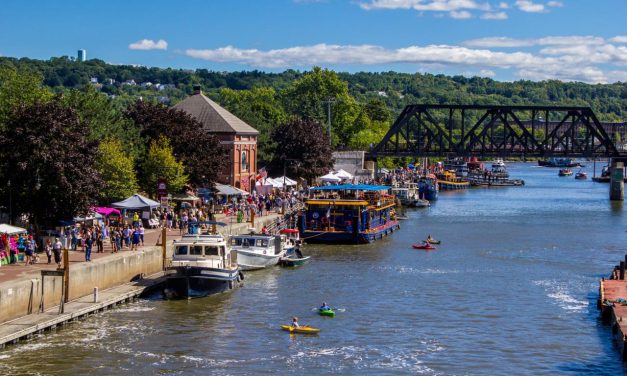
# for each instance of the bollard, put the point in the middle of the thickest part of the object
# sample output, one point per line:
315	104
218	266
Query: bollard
622	270
617	186
95	294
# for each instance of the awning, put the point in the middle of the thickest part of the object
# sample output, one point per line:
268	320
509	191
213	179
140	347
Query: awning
352	187
136	202
288	182
227	190
184	197
330	177
106	211
10	230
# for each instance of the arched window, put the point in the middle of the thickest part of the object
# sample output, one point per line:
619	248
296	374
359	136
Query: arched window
244	161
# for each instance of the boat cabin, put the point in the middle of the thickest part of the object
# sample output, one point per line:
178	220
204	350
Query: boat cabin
209	251
268	244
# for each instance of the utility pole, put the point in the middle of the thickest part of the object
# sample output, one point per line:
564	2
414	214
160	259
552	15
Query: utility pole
328	102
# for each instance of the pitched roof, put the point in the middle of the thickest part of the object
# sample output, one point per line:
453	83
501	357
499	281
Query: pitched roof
214	117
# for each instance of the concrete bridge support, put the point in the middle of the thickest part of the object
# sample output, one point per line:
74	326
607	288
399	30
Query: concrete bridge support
617	185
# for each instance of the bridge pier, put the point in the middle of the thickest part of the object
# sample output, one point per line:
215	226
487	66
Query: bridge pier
617	185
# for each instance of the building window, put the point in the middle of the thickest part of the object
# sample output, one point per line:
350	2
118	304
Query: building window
244	161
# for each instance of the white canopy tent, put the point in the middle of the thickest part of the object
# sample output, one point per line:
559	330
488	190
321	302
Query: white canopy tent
344	175
330	177
284	179
10	230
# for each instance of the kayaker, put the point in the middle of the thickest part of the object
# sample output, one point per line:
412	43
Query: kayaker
324	307
295	322
429	238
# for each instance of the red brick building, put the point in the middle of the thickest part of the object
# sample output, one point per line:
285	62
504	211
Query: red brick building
239	138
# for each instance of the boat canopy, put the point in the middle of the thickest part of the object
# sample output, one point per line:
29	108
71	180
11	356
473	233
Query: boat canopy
352	187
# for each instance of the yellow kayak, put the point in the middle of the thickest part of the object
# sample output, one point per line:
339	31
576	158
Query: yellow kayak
302	329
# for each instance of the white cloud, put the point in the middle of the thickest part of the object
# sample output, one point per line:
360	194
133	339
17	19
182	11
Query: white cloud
503	5
529	6
425	5
494	16
482	73
149	44
555	4
460	14
568	58
619	39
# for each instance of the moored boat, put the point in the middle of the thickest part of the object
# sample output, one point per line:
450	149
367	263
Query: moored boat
259	251
295	258
428	187
498	163
447	180
201	265
348	214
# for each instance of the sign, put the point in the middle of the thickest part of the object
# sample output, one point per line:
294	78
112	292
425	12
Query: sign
162	187
53	273
164	201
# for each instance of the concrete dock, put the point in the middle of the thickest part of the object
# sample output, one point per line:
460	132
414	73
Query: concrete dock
24	327
613	305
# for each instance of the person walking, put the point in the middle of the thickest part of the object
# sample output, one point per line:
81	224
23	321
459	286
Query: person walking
28	250
142	231
56	250
99	241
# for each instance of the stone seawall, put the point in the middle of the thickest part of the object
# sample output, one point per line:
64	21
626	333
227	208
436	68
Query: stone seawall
23	296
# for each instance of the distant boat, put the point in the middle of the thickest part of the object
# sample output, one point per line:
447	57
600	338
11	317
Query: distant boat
558	162
565	172
581	175
498	163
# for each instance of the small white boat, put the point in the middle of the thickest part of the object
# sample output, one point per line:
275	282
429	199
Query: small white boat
498	163
258	251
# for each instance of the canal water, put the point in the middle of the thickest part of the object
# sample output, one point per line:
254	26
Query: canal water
511	290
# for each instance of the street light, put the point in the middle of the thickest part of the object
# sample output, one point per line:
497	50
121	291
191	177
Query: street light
10	203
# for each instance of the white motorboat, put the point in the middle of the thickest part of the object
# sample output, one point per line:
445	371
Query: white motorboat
498	163
201	265
258	251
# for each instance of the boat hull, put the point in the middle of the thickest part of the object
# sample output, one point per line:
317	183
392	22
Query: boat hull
187	282
253	261
340	237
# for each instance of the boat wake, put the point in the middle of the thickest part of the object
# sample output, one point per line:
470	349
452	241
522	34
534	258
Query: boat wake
560	294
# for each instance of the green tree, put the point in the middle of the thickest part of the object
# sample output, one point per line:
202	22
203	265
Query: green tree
161	163
116	170
17	88
306	144
46	155
306	98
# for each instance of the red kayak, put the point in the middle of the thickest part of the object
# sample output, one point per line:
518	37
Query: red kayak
423	246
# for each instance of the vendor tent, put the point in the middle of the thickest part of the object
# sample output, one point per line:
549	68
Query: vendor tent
227	190
284	179
136	201
10	230
184	197
343	175
330	177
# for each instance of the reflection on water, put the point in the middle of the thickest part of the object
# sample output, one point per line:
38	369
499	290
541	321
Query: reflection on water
511	290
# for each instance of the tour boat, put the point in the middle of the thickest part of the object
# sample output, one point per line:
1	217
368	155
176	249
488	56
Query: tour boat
348	214
259	251
201	265
447	180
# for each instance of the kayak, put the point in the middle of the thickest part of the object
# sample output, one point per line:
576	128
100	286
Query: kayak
302	329
326	312
423	246
433	241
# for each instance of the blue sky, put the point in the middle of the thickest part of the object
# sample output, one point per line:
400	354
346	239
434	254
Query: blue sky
570	40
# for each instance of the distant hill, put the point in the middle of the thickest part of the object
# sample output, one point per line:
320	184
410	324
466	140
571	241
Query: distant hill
396	90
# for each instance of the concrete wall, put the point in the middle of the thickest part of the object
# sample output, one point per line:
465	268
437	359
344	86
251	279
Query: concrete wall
17	296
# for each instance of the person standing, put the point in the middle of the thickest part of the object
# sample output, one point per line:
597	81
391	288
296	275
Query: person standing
141	233
99	241
56	250
28	250
135	240
48	250
126	233
88	243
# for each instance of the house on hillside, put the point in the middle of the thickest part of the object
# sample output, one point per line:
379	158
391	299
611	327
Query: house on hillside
239	138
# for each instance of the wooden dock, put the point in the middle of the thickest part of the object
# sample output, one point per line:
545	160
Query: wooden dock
24	327
613	305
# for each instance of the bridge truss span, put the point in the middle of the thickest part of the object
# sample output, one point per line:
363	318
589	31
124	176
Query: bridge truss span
499	131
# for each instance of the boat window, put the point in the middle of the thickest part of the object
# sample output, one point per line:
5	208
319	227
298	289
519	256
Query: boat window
212	251
195	250
261	243
270	243
236	241
181	250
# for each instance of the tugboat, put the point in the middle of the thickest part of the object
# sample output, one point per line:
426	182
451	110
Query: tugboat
348	214
201	264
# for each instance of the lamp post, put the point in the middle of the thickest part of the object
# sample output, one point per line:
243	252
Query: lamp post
10	203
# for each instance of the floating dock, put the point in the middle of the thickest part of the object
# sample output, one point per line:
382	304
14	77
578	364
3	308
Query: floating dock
25	327
613	305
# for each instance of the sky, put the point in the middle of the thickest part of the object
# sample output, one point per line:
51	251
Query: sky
568	40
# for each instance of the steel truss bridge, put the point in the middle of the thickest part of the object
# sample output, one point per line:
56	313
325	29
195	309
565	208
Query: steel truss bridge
498	131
